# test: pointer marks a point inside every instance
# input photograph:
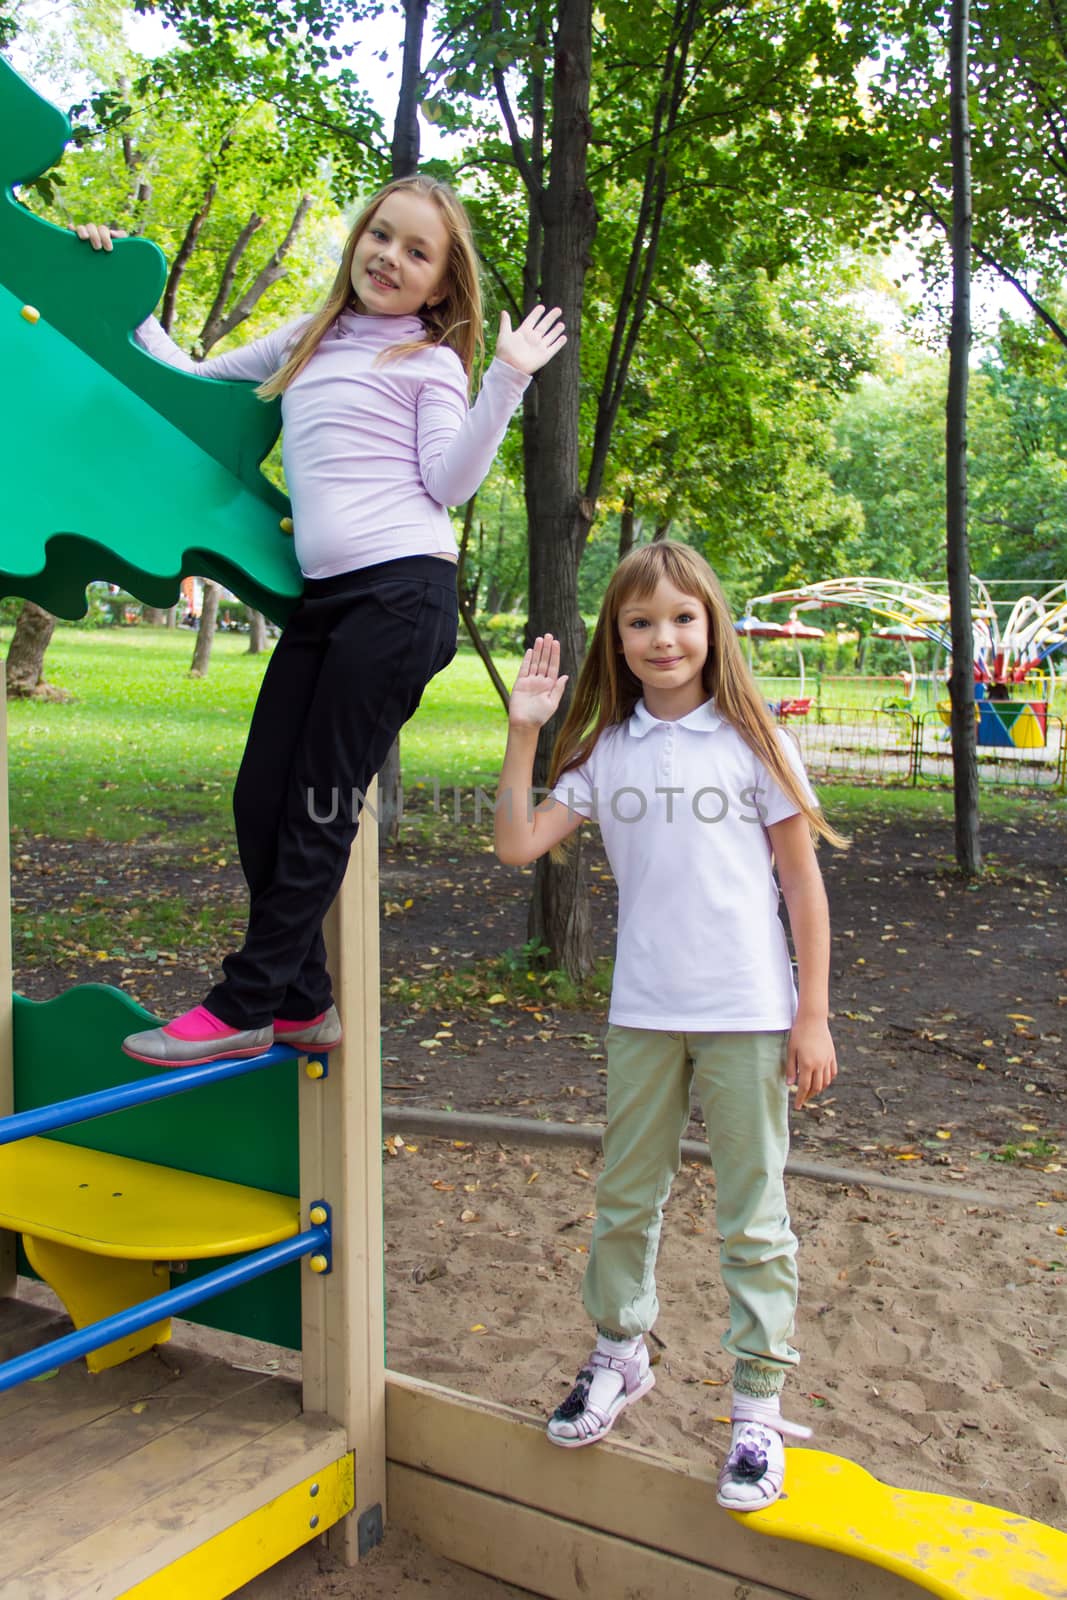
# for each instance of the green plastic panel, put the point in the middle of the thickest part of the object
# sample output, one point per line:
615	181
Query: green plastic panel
120	467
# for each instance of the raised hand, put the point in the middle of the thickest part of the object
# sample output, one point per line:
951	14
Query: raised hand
534	342
538	688
96	234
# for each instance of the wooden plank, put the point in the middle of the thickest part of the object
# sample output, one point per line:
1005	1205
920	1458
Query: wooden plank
559	1560
82	1429
24	1324
341	1161
266	1536
160	1468
7	1072
649	1499
131	1544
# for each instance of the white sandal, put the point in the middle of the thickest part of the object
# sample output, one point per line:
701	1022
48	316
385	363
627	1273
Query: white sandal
586	1423
753	1473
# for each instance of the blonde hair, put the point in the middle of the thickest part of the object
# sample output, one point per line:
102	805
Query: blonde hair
455	320
607	691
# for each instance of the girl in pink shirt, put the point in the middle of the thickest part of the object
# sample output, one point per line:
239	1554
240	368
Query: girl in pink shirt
378	440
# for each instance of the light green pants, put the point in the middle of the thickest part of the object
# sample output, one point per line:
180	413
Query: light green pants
740	1079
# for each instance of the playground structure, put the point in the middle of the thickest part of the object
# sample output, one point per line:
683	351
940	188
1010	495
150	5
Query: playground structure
140	1480
1011	657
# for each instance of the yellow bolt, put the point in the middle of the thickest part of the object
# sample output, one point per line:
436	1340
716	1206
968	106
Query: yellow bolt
318	1263
318	1215
286	524
31	314
315	1069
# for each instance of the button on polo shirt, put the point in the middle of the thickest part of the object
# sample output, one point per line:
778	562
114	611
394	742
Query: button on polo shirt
683	808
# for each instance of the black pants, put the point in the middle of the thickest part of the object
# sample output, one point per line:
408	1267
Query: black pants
346	674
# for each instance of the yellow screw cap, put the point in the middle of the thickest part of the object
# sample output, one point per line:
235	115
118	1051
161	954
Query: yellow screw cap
318	1263
315	1069
318	1215
31	314
286	524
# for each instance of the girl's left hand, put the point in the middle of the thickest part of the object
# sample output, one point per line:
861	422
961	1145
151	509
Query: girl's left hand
811	1061
534	342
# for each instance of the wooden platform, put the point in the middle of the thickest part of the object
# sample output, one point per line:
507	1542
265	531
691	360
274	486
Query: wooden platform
174	1475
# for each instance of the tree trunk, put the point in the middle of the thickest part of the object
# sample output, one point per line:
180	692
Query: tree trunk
25	655
961	681
211	332
269	274
154	616
405	160
627	525
184	252
257	632
205	638
405	148
468	597
559	517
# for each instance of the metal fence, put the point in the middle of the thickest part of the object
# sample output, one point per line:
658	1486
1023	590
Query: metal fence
896	746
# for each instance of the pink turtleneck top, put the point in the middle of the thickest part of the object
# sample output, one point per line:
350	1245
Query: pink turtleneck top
373	449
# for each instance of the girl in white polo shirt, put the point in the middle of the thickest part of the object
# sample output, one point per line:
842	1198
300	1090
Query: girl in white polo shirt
669	746
378	440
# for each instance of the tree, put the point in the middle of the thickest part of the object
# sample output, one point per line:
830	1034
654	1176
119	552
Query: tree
961	680
205	633
663	123
404	160
26	652
901	155
257	632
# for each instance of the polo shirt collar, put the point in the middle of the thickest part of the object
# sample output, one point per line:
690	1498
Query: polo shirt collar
705	719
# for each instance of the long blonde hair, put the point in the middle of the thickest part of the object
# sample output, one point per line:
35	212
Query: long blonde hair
455	320
607	691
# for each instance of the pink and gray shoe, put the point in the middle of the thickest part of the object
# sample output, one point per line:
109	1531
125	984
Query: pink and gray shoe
316	1035
196	1038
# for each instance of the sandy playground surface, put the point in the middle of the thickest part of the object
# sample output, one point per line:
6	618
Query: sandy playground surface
933	1329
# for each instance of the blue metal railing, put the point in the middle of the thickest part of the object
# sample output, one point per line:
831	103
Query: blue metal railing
100	1103
79	1343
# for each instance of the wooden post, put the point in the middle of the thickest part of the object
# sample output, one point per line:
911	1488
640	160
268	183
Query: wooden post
7	1069
341	1163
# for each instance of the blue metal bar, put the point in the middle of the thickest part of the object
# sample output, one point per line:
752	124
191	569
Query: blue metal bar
74	1345
84	1107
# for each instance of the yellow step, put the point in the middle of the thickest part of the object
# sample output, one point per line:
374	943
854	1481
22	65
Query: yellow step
958	1549
101	1230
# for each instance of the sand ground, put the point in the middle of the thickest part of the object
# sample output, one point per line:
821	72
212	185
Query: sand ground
933	1330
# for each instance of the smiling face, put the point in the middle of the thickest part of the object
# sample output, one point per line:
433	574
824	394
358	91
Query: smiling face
400	262
664	640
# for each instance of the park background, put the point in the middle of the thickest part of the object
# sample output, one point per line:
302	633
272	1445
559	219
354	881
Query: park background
762	372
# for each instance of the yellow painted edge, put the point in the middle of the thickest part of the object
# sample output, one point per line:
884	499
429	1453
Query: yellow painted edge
173	1250
241	1552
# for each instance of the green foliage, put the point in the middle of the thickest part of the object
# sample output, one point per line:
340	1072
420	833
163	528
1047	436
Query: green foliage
890	459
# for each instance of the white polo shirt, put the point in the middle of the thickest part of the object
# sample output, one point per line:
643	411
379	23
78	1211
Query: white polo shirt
683	808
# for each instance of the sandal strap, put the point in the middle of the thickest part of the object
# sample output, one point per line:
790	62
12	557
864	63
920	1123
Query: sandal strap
629	1368
743	1412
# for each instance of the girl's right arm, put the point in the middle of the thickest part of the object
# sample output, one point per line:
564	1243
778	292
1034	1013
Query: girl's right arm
524	832
252	363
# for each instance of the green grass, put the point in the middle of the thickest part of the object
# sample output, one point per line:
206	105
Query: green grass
143	750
